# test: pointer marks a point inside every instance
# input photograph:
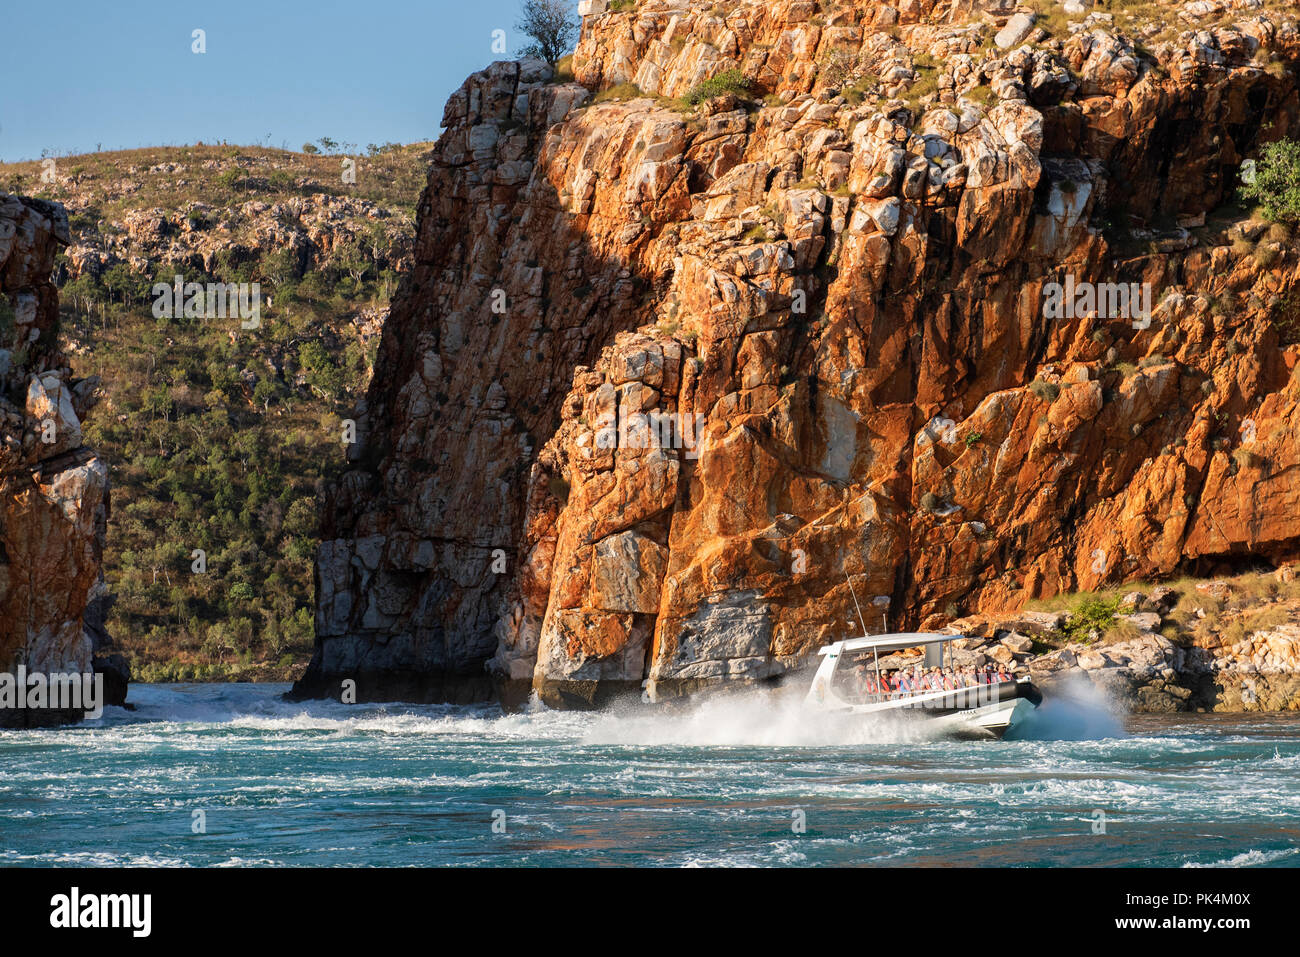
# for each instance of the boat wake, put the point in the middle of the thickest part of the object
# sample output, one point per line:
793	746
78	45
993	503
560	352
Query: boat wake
778	718
759	718
766	717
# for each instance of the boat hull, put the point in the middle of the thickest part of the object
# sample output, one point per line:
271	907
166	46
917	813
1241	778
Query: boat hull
989	721
972	713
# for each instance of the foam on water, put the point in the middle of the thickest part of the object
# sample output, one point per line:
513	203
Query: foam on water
759	718
778	718
713	781
1074	710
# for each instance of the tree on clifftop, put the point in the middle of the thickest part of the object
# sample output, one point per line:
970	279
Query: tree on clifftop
552	26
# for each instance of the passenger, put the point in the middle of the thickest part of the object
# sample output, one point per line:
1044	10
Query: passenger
949	680
866	685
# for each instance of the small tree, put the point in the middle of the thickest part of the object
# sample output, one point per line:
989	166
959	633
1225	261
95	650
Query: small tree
552	26
1276	183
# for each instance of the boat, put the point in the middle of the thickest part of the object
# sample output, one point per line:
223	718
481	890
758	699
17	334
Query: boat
848	681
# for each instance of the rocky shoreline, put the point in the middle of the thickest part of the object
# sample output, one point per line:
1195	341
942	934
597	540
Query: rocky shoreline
1153	660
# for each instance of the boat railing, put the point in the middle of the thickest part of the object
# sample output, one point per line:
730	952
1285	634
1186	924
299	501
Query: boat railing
981	692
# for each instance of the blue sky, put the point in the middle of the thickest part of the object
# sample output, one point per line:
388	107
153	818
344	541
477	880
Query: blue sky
78	75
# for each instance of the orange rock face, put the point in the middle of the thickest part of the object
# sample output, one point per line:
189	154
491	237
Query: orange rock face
666	381
53	490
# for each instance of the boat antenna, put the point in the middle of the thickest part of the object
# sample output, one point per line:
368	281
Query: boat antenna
855	602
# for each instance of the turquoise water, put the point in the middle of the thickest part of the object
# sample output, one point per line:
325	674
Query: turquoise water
725	783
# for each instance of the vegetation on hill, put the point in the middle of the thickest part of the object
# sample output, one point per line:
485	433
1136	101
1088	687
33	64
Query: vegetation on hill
1206	609
218	435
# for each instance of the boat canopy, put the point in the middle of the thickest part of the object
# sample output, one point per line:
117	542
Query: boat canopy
886	643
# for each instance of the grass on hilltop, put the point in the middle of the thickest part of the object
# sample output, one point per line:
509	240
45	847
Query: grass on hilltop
1251	605
224	175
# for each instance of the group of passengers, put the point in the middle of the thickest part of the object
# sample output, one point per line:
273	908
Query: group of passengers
920	680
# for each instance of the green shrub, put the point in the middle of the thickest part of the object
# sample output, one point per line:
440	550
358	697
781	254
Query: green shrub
729	81
1092	614
619	93
1276	183
1047	391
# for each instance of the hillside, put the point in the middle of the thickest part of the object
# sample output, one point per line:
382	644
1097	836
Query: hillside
826	243
217	435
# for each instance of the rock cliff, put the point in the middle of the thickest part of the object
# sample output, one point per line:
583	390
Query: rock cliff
677	363
53	490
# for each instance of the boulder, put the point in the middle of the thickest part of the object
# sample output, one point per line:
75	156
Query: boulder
1135	602
1017	28
1092	660
1020	644
1147	620
1163	599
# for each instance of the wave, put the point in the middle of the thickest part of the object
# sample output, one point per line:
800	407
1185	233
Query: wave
1251	858
756	717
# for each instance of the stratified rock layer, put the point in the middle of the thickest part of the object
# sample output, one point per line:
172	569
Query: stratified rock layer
839	311
53	490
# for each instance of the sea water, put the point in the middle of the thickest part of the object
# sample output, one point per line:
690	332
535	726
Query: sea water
231	775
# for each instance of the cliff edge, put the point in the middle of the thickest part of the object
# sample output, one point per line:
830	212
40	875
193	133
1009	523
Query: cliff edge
54	492
777	296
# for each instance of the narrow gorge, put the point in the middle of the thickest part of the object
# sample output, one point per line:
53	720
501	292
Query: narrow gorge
821	241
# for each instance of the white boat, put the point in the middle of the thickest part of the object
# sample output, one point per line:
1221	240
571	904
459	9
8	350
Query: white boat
977	710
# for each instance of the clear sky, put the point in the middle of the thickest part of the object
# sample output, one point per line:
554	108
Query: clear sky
82	75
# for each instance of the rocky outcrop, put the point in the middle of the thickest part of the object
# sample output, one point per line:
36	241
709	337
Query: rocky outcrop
667	379
309	229
53	490
215	209
1211	658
